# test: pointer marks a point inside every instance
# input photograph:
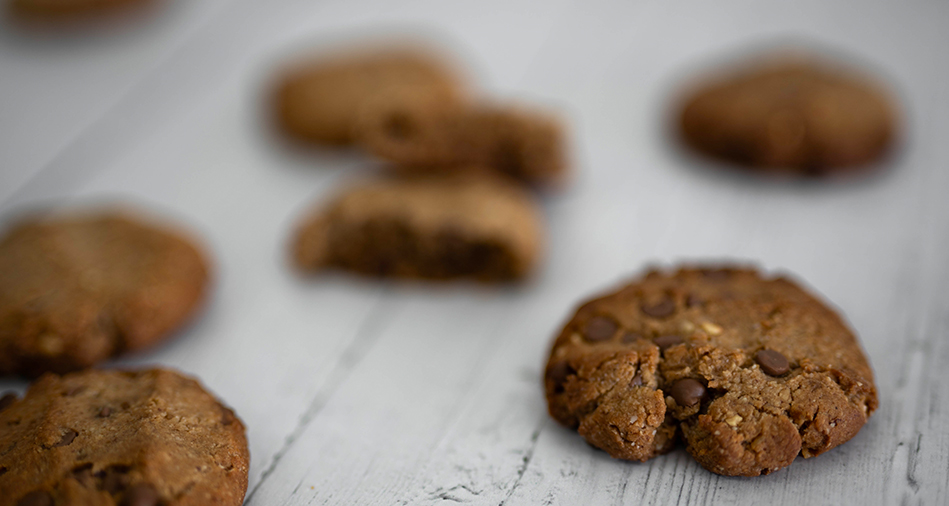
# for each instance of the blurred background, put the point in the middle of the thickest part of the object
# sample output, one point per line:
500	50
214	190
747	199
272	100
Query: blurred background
168	108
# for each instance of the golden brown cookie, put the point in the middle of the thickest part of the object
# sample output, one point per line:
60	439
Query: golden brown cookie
749	371
791	115
106	438
319	101
76	290
420	134
466	225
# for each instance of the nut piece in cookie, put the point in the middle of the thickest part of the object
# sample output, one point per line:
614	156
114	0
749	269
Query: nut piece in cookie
78	289
151	437
319	101
752	371
465	225
791	114
419	133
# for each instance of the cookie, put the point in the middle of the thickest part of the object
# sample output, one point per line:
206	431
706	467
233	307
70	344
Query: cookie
749	371
320	101
420	134
792	116
465	225
76	290
61	10
145	438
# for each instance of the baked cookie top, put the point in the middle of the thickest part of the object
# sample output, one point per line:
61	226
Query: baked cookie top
76	290
145	438
464	224
320	101
786	114
750	370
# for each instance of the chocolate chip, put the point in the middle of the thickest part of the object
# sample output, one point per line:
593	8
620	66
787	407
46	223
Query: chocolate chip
772	362
140	495
558	374
83	474
599	328
67	438
3	470
668	341
717	274
637	381
114	479
661	309
687	392
105	412
631	337
7	400
694	300
227	417
36	498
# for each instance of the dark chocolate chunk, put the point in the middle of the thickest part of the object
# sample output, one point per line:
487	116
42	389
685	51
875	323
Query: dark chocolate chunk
687	392
7	400
36	498
772	362
668	341
67	438
599	328
105	412
637	381
558	374
140	495
660	309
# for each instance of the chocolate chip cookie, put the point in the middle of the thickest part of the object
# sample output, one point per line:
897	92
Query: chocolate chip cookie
145	438
76	290
417	132
792	115
464	225
749	371
319	101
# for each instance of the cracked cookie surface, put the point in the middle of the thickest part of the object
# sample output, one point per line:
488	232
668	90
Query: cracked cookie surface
465	225
75	291
105	438
748	371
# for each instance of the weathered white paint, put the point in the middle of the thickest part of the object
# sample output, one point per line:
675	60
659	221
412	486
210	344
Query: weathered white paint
364	392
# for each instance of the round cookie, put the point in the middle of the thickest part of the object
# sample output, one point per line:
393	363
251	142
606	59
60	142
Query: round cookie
791	115
423	134
75	291
750	371
320	101
146	438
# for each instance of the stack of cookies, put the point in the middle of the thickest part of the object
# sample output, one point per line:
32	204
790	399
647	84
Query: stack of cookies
456	202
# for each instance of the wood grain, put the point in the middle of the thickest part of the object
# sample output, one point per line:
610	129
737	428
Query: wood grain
363	392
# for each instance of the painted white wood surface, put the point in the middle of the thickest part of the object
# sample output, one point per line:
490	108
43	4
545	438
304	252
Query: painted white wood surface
363	392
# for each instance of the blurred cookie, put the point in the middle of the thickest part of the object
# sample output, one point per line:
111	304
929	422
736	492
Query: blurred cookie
791	115
418	133
465	225
751	371
55	10
320	101
76	290
146	438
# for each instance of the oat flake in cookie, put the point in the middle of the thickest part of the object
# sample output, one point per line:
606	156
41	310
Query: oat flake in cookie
146	438
464	225
792	115
78	289
749	371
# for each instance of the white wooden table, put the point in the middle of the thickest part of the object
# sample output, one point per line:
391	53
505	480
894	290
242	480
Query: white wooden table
363	392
